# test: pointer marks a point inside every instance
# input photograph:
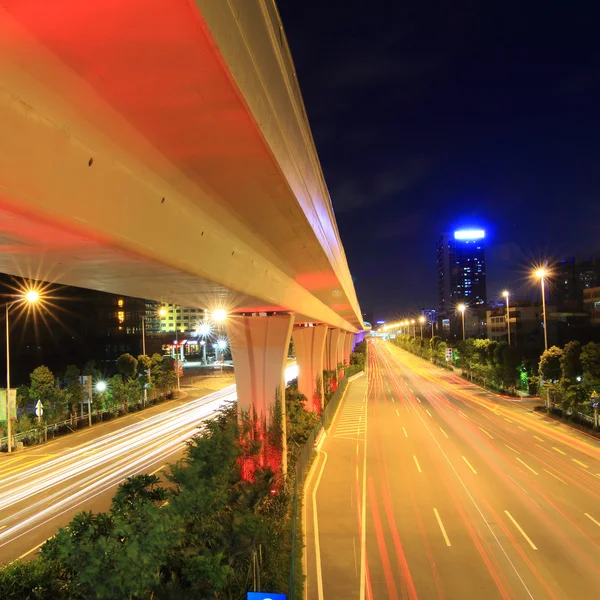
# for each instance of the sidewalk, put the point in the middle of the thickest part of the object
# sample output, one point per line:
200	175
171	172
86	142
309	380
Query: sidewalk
331	518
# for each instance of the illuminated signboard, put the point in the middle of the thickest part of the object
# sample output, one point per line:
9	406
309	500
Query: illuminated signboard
469	234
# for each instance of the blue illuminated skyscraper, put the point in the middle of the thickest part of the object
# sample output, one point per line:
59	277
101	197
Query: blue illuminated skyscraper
461	270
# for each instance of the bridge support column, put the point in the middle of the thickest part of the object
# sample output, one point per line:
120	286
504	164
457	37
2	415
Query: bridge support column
331	349
348	346
341	346
310	349
259	347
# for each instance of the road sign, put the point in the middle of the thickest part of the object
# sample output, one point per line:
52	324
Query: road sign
39	409
265	596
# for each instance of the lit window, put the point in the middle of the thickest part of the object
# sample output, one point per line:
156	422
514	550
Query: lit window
120	302
121	316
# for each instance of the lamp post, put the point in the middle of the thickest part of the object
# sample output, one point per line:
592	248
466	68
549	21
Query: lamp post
462	308
421	321
145	399
505	294
432	322
541	273
204	332
31	296
412	322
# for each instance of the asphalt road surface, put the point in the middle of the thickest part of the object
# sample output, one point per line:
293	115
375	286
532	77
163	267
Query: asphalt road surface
43	487
429	487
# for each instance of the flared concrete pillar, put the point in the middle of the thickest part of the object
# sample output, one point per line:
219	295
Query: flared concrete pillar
348	345
331	349
309	343
341	346
259	347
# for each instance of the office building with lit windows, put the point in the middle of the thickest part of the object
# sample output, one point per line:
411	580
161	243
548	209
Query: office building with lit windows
173	317
461	271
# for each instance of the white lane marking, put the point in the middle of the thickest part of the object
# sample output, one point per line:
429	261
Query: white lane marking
418	400
511	448
558	450
521	530
592	519
470	466
417	463
580	463
526	465
3	527
316	530
477	507
363	522
539	438
555	476
508	420
443	432
32	550
397	412
157	470
487	433
522	428
405	434
462	414
439	520
429	413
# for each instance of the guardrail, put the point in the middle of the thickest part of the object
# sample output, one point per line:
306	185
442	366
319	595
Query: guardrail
39	433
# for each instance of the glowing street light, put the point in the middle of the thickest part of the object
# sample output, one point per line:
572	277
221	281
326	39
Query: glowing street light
30	296
541	274
219	315
462	308
506	295
101	386
421	321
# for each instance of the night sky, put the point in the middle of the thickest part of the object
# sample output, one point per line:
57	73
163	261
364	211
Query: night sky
427	117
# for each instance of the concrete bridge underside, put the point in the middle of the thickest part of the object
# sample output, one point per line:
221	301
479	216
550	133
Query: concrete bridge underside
161	150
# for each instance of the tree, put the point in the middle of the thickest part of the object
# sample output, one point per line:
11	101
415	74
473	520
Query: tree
570	362
23	396
144	366
74	392
42	385
91	370
590	361
508	365
466	356
127	365
550	364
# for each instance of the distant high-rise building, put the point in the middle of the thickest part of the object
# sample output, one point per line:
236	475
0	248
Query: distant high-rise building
461	270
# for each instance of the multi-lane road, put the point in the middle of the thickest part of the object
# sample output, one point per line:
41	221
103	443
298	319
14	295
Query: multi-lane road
429	487
42	488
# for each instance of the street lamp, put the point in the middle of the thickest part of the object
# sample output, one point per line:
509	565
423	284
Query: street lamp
505	294
101	386
219	315
412	322
421	321
541	273
30	297
462	308
204	331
